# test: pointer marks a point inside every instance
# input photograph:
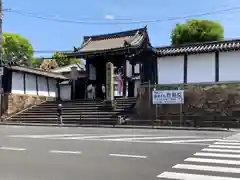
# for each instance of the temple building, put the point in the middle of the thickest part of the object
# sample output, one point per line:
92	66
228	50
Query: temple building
129	51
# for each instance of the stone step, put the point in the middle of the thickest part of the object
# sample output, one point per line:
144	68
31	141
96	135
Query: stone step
74	110
65	116
70	103
69	106
84	104
69	113
64	108
70	122
43	119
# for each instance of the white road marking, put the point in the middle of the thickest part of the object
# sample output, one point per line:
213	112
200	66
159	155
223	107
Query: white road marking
228	140
185	176
207	168
12	149
65	152
227	147
149	138
218	155
128	155
227	143
105	136
192	140
46	136
214	161
221	150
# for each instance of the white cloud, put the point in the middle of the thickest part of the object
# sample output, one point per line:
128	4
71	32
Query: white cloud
109	17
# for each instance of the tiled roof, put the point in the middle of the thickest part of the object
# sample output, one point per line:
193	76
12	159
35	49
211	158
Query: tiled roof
37	72
113	41
221	46
80	67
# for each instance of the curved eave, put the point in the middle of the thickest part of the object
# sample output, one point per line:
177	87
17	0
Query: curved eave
106	51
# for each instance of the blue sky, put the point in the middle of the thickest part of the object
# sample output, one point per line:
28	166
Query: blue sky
48	35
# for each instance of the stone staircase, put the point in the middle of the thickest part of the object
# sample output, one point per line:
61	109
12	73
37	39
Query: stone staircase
78	112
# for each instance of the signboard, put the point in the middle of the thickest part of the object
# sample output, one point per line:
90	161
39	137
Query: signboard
1	71
168	97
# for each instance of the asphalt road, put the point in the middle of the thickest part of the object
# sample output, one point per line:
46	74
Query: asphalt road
50	153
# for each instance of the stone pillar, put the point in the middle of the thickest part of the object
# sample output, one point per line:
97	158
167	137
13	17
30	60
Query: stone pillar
74	77
109	81
124	78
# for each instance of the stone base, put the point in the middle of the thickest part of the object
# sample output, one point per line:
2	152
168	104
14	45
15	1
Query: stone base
109	105
14	103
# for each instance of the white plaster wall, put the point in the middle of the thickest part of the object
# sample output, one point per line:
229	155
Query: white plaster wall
137	68
229	64
31	87
17	83
170	70
65	92
201	68
137	85
129	69
42	86
52	87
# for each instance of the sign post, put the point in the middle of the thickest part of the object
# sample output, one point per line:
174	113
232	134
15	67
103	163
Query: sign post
169	97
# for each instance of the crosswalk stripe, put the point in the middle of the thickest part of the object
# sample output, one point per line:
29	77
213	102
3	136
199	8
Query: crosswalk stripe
221	150
186	176
207	168
228	140
214	161
218	155
227	147
227	143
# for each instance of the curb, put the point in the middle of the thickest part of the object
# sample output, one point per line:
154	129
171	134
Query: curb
120	126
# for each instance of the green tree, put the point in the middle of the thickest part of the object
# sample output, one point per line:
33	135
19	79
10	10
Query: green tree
16	49
194	31
63	60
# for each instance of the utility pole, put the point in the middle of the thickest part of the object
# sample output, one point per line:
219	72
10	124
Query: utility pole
1	60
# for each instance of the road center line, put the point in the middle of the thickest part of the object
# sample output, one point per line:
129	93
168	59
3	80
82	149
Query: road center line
65	152
12	149
128	155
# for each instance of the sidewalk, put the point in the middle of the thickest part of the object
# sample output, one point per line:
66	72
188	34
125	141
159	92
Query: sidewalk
121	126
235	137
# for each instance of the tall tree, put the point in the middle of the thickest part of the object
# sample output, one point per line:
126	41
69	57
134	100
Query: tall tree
63	60
16	49
194	31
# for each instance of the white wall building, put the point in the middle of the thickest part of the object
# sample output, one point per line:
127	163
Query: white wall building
199	63
29	81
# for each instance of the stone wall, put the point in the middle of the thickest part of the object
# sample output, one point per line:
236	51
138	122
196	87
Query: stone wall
14	103
203	102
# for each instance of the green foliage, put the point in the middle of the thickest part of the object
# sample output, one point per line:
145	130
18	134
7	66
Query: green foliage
63	60
36	62
194	31
48	64
16	49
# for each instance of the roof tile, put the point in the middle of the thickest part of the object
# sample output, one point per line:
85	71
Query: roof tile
228	45
37	72
133	38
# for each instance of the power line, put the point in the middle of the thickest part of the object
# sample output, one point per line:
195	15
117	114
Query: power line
34	15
